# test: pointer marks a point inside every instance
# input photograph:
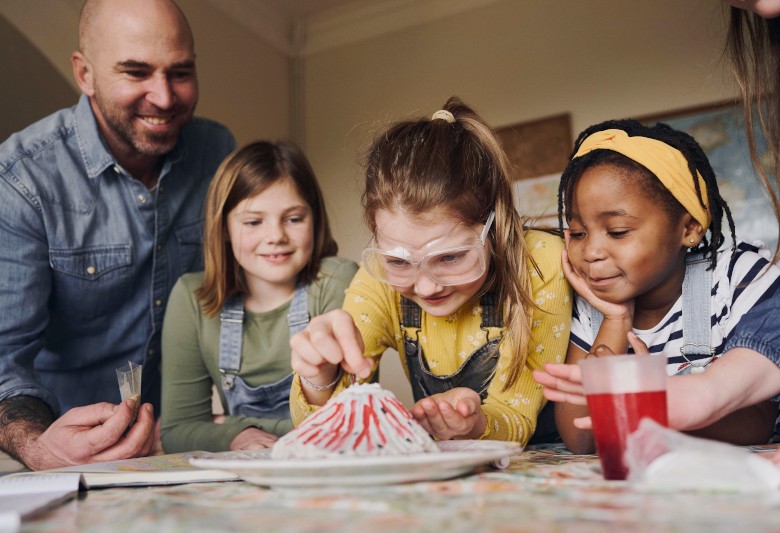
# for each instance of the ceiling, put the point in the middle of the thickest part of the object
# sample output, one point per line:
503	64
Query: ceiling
301	9
302	27
278	22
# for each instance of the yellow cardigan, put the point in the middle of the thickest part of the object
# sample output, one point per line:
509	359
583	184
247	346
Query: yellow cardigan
447	341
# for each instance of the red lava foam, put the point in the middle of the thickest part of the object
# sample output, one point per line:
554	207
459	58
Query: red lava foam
364	420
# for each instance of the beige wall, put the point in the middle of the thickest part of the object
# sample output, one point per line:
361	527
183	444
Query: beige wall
513	60
244	82
42	88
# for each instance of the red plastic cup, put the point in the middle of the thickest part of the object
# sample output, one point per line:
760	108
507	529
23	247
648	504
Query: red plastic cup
621	390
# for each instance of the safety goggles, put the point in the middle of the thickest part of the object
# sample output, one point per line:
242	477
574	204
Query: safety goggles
449	265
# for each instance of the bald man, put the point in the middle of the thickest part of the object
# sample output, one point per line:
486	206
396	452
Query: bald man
101	213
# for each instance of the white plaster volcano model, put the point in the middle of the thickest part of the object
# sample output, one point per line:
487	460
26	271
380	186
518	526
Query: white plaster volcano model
364	420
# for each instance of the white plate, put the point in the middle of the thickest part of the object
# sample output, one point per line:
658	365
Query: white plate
456	458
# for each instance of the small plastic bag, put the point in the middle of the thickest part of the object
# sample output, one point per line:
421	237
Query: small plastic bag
659	458
129	378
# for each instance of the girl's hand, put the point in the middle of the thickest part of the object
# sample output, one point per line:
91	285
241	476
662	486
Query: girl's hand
456	413
610	310
563	382
330	340
640	348
253	439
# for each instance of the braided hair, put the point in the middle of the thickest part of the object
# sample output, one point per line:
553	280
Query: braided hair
687	145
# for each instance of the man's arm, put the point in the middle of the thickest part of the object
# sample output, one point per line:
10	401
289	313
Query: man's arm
86	434
22	420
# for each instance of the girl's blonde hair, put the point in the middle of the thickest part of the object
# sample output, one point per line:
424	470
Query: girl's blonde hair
753	46
419	166
245	173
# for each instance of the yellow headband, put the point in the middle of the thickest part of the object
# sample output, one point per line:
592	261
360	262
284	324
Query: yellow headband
666	162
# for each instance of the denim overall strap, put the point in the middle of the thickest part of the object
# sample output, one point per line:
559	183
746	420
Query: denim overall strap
476	372
411	314
696	296
298	316
492	317
231	330
265	401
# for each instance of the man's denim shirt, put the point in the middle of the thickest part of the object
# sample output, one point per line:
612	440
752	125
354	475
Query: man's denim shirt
88	256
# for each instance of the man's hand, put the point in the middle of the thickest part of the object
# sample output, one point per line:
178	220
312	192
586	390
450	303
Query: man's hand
91	434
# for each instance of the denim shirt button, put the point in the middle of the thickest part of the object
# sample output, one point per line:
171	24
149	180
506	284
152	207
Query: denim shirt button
142	198
158	302
91	270
116	169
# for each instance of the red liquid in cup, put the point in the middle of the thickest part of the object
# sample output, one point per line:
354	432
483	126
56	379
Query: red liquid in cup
614	416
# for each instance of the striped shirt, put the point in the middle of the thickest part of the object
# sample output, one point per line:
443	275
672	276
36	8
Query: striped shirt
736	288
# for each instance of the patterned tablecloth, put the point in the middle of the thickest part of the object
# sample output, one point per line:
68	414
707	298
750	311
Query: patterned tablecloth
542	490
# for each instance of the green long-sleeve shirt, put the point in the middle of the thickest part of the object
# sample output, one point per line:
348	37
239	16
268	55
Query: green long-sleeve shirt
190	344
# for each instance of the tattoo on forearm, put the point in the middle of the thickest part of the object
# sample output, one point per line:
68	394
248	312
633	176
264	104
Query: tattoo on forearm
22	418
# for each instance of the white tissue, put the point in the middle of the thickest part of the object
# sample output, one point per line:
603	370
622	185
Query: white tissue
659	458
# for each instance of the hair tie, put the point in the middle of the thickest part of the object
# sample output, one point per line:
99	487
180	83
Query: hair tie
443	114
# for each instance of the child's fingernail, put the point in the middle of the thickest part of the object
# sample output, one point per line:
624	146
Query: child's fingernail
131	403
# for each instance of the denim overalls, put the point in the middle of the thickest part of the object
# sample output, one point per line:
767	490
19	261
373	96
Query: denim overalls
475	373
477	370
265	401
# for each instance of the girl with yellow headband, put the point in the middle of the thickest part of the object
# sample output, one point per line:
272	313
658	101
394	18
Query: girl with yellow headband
644	249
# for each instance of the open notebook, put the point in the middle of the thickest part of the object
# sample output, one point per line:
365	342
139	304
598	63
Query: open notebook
169	469
27	494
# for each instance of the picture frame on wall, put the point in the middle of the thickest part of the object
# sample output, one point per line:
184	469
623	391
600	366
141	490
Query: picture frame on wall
538	151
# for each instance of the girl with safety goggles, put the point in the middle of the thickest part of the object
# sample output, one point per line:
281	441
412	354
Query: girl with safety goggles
451	280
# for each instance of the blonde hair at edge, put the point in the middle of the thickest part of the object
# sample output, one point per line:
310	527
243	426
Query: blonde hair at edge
245	173
753	46
419	166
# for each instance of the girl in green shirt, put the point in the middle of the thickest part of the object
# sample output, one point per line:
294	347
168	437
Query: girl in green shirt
269	266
